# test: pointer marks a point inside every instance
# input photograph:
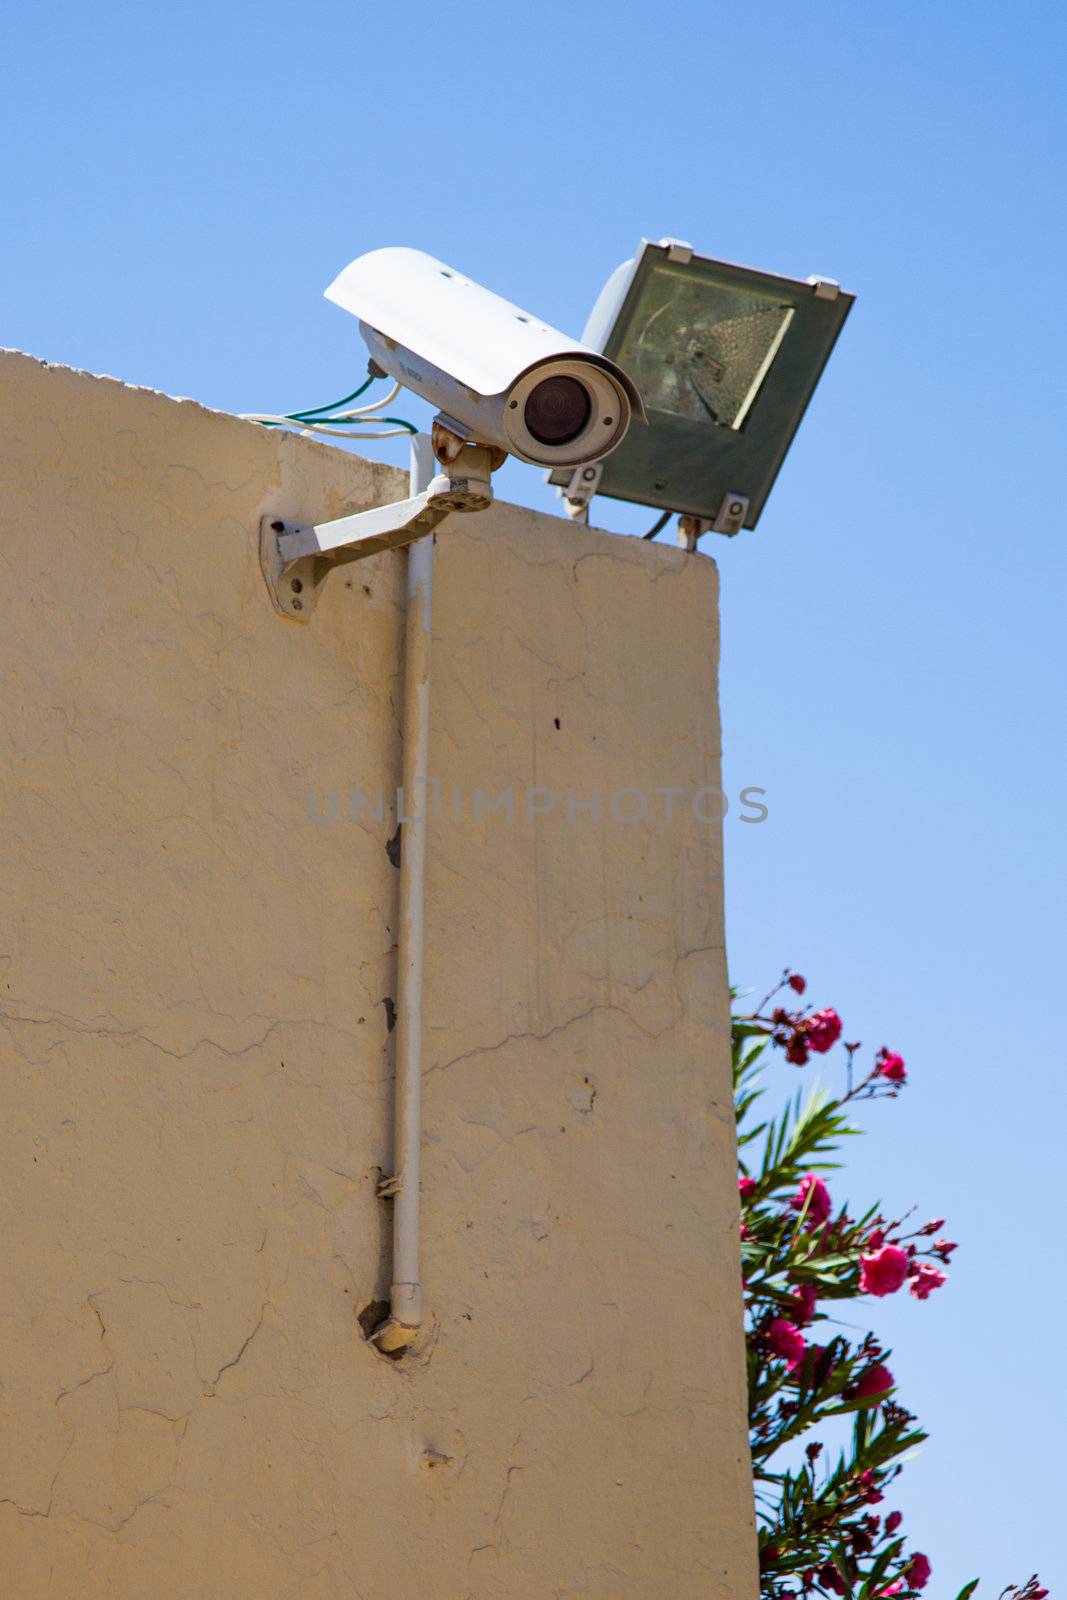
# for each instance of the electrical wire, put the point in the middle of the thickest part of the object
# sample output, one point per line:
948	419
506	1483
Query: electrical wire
658	526
399	426
359	414
400	431
333	421
315	411
363	411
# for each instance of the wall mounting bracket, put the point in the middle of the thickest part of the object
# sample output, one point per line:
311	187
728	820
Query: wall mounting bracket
298	557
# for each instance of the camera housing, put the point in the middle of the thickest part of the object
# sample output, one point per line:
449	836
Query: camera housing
507	379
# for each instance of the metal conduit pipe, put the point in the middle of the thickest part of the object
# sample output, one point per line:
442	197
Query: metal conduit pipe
405	1297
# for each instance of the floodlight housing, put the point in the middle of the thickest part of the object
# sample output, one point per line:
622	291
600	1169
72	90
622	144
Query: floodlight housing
726	360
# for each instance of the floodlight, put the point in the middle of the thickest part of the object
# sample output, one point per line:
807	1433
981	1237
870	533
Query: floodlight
726	360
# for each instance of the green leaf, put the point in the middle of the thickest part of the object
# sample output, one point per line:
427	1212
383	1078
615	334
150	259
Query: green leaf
839	1557
864	1403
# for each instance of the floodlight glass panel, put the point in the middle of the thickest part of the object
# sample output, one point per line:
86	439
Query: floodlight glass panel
726	360
701	351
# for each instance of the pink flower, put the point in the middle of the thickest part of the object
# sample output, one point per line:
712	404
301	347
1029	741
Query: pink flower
868	1482
797	982
945	1247
874	1380
925	1277
875	1239
917	1571
891	1066
891	1589
745	1187
787	1341
804	1299
883	1272
830	1578
823	1030
819	1205
744	1230
893	1521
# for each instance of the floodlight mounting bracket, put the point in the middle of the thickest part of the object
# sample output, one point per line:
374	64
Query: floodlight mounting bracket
728	520
298	557
577	494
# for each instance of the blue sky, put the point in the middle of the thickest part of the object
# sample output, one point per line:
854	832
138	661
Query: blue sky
181	184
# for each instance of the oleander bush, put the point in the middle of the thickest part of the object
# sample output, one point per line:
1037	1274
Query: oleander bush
829	1432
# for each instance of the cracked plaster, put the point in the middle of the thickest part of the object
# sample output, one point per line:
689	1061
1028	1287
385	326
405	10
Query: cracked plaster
195	1055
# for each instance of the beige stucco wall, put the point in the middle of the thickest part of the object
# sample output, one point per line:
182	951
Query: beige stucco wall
195	1055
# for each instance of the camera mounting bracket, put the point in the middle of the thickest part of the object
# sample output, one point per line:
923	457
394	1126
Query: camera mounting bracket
298	557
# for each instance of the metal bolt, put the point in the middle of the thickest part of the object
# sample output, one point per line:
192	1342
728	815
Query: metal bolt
278	527
298	605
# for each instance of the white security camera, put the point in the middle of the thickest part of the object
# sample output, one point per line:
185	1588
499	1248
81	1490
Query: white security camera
506	378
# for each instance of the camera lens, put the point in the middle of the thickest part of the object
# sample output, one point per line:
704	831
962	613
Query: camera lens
557	410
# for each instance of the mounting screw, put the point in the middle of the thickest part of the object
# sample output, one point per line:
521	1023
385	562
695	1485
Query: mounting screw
278	527
298	605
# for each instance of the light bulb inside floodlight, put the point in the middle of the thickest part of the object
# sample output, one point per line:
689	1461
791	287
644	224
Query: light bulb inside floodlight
700	351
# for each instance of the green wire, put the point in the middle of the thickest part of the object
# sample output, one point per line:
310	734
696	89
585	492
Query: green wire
341	422
322	413
316	411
